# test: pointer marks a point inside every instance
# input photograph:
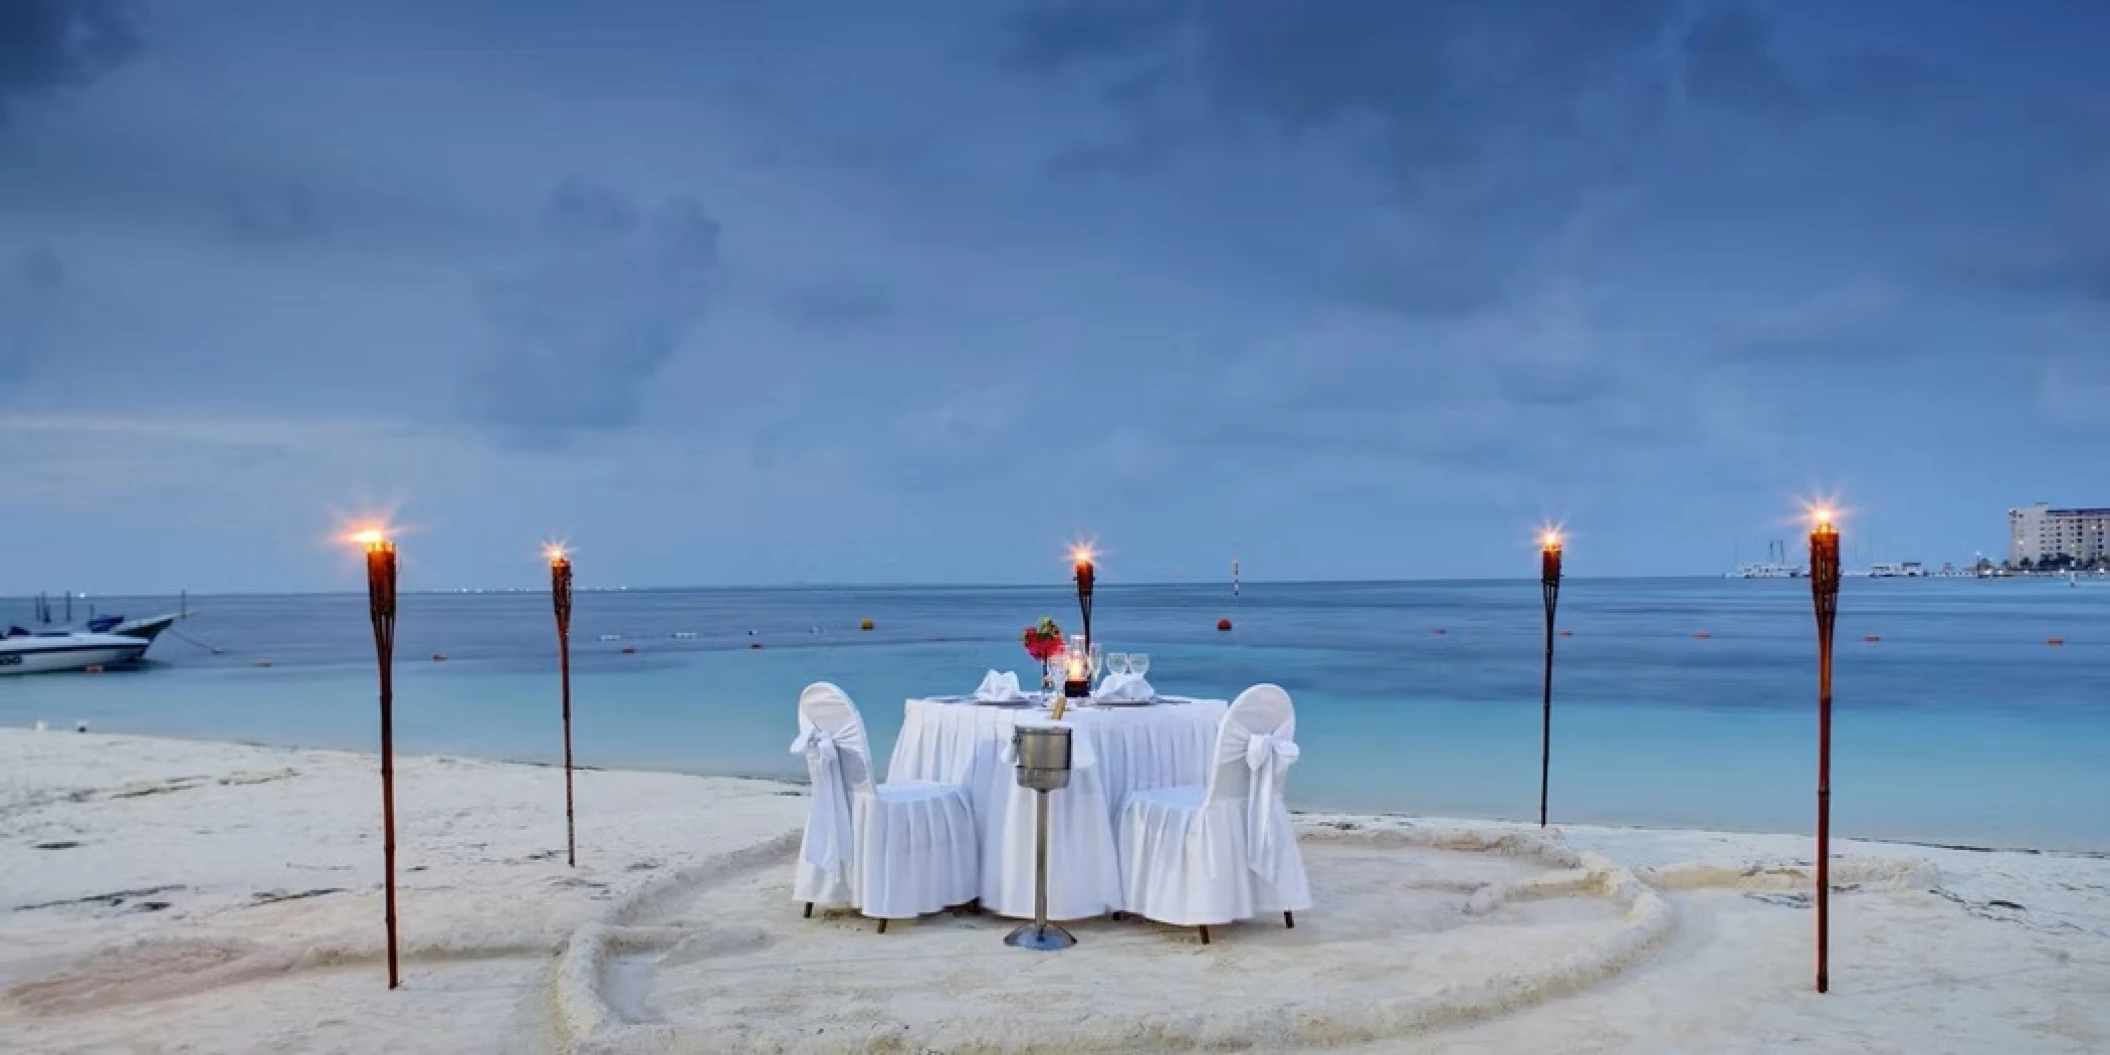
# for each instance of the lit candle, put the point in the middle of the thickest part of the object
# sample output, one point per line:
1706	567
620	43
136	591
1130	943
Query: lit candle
1550	557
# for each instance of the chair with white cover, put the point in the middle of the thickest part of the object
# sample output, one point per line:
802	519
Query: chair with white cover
892	851
1223	851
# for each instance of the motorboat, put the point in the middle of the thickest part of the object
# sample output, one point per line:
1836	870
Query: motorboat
42	652
144	629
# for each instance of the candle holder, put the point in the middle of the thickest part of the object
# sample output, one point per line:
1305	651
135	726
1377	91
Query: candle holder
1550	591
560	602
1824	596
381	607
1043	753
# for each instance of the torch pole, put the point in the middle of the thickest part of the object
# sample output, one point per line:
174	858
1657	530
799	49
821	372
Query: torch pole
1550	591
560	599
1824	590
381	605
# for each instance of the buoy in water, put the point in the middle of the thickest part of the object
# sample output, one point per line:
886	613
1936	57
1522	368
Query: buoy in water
1567	633
866	625
1439	633
263	663
2054	640
628	651
1872	639
439	657
754	644
96	668
1703	635
1223	624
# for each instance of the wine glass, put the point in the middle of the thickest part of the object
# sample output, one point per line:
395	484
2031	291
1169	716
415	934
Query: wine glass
1139	663
1117	663
1094	660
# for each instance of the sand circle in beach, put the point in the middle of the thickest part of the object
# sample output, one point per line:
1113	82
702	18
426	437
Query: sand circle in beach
1413	933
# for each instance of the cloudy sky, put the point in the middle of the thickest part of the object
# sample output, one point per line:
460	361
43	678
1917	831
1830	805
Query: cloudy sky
751	292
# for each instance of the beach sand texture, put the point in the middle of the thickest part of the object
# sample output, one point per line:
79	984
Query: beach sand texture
166	895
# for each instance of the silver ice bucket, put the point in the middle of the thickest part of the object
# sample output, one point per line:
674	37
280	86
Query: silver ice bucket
1043	756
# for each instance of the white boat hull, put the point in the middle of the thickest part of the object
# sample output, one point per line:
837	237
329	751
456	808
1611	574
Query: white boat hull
47	655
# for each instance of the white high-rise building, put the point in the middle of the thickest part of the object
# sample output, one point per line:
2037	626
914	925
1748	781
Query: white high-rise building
2039	532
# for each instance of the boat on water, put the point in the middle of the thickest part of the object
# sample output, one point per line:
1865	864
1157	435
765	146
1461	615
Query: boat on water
144	629
47	651
1768	570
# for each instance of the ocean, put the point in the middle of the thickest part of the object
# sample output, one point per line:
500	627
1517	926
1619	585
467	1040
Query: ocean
1961	725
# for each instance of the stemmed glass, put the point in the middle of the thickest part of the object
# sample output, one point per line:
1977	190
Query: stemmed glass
1095	660
1117	663
1139	663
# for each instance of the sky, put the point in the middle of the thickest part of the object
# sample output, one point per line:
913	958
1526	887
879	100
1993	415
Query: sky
844	292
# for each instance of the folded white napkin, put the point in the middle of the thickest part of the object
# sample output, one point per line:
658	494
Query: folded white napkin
1125	688
998	686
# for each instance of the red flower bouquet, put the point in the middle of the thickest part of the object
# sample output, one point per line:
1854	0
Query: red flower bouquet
1043	642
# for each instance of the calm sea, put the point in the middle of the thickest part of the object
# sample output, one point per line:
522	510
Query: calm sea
1961	725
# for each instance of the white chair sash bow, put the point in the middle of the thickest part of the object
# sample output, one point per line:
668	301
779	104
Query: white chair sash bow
828	833
1269	755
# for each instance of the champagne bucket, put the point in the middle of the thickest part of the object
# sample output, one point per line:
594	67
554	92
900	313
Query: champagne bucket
1043	756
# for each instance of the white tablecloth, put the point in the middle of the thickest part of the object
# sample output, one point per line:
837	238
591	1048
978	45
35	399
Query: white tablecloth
1119	749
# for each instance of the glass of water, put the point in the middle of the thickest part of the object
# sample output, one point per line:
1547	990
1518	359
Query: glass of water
1139	663
1117	663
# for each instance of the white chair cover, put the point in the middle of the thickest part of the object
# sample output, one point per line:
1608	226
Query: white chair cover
1225	851
893	851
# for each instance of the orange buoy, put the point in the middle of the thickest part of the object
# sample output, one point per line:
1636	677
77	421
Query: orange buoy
1871	638
1703	635
866	625
95	669
2054	640
1223	624
1567	633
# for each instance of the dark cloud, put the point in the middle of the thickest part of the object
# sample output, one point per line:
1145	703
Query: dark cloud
1732	58
2062	248
577	331
30	293
836	302
278	212
1435	78
50	45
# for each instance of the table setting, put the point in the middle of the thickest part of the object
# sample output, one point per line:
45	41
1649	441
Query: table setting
1126	736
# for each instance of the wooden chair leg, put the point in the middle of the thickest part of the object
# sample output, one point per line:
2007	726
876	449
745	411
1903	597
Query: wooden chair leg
882	926
809	910
1289	920
1205	935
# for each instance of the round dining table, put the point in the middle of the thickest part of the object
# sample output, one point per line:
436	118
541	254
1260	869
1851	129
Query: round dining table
1115	750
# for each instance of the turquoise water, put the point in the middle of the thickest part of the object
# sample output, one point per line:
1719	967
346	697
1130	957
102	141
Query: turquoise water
1960	726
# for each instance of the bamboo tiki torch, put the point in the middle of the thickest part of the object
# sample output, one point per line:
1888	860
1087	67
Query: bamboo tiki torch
560	600
1550	591
381	605
1077	669
1824	591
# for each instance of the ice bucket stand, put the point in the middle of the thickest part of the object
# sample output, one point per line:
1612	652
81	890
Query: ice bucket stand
1043	766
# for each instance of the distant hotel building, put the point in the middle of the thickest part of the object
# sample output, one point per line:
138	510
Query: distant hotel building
2038	533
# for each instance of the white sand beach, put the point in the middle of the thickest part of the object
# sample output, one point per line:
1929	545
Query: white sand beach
165	895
